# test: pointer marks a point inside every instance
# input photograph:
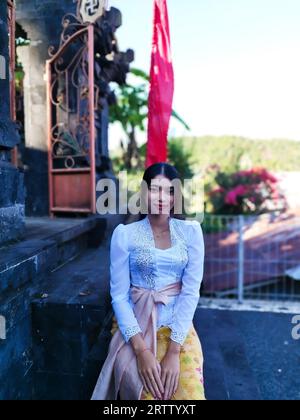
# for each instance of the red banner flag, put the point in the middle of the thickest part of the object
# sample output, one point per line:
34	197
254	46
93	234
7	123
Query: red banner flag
161	86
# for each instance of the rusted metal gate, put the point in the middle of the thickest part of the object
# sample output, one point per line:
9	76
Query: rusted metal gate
72	99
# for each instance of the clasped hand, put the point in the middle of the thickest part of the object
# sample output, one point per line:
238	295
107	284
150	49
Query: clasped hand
161	379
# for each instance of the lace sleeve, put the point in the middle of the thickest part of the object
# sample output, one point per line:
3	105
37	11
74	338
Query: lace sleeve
120	284
188	299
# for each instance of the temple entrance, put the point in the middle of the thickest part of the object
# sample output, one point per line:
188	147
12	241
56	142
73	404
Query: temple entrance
77	125
71	131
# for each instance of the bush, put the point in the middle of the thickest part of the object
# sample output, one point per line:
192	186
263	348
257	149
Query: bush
180	158
254	191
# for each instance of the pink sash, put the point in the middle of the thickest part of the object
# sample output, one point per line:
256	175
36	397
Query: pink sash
120	371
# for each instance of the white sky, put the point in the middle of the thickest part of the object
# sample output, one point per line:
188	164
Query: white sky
236	63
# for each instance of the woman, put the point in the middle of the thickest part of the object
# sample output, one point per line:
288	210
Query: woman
156	273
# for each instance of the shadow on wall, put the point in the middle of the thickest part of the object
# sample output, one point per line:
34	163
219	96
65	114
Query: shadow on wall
35	167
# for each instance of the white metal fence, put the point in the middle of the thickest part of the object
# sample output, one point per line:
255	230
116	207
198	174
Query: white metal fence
252	257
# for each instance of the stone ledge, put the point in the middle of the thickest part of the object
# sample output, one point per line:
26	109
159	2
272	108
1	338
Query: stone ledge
11	222
45	245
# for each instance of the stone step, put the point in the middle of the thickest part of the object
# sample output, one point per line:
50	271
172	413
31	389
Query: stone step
71	310
45	245
48	246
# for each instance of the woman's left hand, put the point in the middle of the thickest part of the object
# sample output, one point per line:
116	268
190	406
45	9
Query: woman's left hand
170	369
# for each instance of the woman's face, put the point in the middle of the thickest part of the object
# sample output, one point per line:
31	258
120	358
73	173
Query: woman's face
160	195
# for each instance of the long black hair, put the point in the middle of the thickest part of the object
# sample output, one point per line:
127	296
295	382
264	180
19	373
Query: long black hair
169	172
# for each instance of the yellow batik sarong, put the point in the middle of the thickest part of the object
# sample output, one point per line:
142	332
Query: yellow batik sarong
191	384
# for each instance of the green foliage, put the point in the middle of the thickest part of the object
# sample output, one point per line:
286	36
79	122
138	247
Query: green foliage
140	73
131	108
230	154
234	153
181	158
179	119
21	36
177	156
142	150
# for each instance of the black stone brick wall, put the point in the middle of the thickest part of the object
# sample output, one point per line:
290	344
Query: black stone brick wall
11	180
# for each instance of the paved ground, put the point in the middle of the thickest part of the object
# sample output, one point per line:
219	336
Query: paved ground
249	355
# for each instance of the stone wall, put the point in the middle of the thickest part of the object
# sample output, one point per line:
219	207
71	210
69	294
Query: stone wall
11	179
25	270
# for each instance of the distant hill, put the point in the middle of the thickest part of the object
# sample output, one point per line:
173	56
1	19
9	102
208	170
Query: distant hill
232	152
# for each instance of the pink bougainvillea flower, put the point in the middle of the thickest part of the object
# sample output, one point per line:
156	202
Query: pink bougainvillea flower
265	175
275	195
257	185
231	197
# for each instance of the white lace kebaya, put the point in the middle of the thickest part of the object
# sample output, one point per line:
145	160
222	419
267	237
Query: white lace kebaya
135	261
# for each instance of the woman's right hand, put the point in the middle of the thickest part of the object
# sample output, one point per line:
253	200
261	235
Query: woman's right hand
150	370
